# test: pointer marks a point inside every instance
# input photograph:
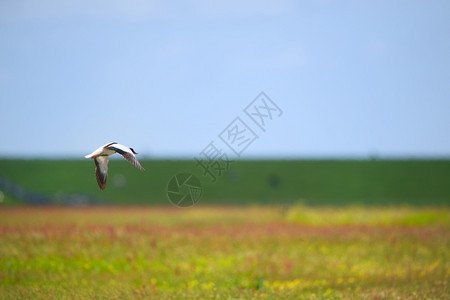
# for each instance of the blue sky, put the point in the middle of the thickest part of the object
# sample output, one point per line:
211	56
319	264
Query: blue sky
353	78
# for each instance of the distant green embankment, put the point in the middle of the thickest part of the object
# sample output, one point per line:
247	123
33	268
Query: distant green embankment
335	182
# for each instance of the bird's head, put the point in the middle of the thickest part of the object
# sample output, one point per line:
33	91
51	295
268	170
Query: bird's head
132	150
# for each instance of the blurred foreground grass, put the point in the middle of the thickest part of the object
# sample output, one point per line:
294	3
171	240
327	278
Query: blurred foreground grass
224	252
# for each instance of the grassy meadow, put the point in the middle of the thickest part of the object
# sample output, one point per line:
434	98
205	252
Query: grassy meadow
265	229
224	252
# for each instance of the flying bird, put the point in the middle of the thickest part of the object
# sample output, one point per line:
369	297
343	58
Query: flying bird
101	160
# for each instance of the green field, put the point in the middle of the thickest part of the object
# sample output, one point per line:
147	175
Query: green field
265	229
220	252
373	182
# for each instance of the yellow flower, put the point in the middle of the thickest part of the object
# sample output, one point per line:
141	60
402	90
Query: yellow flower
208	286
192	283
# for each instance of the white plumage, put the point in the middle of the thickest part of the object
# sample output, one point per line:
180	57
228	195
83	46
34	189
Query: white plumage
101	160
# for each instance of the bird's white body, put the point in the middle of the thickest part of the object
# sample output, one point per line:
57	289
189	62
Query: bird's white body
100	151
101	159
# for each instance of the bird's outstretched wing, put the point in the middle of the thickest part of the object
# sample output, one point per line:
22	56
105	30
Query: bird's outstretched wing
101	170
132	159
127	154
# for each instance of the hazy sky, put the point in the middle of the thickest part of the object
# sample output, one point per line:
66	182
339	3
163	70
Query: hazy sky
352	78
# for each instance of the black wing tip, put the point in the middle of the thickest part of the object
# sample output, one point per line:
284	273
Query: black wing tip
112	143
121	152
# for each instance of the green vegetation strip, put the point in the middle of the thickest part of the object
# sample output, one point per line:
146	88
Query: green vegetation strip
272	182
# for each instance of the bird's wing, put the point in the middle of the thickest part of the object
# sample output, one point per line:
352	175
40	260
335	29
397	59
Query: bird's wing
101	170
99	150
95	152
118	148
132	159
127	154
